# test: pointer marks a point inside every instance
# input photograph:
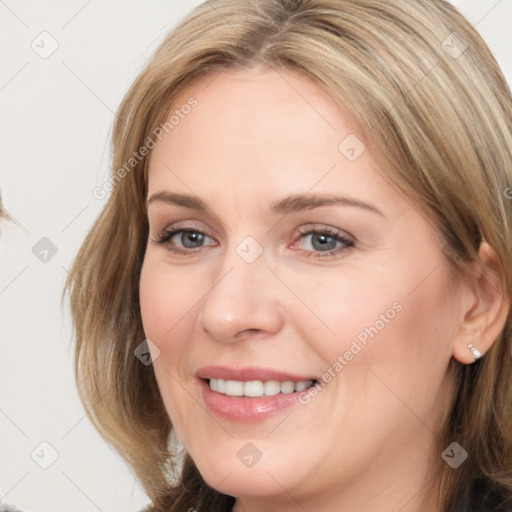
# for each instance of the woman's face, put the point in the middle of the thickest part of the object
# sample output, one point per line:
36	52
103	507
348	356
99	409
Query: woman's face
286	255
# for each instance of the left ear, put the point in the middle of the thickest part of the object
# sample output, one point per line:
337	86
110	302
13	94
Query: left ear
485	308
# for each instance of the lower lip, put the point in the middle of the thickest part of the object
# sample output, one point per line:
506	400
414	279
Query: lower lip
246	409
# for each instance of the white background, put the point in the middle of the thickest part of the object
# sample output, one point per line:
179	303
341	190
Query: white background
56	120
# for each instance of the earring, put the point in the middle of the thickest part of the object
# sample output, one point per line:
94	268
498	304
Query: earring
475	351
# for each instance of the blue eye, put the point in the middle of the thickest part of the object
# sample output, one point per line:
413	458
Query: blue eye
324	242
316	243
180	240
189	239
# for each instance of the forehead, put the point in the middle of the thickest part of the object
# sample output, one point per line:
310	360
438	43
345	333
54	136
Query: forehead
262	133
254	88
246	107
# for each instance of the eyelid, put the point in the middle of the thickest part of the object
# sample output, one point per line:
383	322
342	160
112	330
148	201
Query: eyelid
347	241
164	236
185	225
327	229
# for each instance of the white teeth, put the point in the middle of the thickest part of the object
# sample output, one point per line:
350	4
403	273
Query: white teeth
253	388
272	387
257	388
221	386
301	386
287	387
234	388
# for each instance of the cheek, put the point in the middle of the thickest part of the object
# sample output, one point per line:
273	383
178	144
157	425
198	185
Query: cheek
395	320
167	309
344	307
167	302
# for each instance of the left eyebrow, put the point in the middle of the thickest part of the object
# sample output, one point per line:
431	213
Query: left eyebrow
309	201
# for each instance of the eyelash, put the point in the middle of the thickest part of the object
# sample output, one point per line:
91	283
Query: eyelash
347	243
165	236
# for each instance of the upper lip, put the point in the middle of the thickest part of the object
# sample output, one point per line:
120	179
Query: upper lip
248	373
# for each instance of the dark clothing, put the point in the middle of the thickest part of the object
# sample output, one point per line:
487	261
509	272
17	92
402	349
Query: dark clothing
480	497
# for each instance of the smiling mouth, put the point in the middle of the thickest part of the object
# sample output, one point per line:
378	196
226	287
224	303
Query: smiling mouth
257	388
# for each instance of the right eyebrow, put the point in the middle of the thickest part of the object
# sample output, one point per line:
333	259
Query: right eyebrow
185	200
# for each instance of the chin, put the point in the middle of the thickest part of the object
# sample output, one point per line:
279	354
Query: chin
237	480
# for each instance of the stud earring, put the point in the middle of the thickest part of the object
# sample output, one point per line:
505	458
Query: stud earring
475	351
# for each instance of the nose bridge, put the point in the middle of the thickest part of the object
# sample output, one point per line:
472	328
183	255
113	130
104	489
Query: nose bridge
243	265
240	299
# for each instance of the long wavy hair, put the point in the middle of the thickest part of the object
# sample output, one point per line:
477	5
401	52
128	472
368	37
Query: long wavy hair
430	98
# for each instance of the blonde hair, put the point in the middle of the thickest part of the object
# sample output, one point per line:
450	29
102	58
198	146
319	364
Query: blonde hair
440	114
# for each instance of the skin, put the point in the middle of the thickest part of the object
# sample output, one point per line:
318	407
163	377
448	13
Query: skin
366	441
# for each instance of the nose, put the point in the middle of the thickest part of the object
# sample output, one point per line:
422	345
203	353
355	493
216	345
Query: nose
242	302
